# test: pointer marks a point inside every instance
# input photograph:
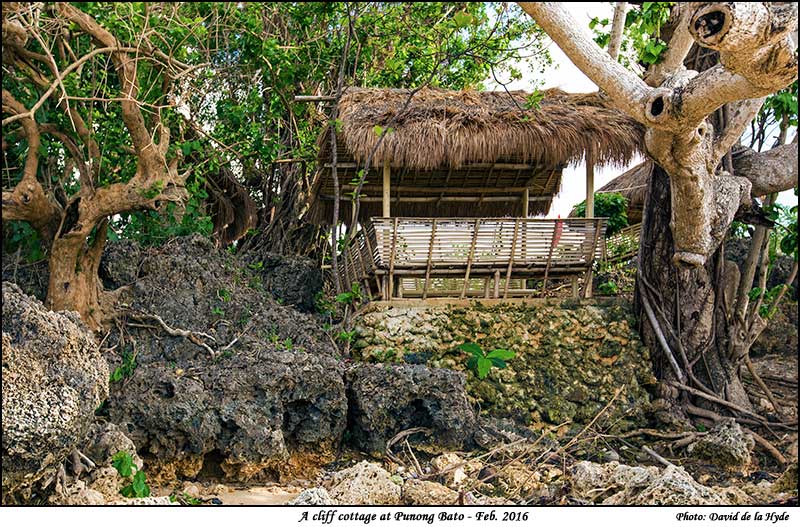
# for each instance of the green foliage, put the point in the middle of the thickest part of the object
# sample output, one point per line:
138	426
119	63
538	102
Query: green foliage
126	369
350	297
346	336
224	295
154	227
611	205
608	288
782	105
218	311
481	362
185	499
137	488
534	100
123	462
20	236
642	32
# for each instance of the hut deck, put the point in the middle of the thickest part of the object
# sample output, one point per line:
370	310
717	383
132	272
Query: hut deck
487	257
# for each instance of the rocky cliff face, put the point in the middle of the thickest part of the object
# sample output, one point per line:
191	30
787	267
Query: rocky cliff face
571	357
53	379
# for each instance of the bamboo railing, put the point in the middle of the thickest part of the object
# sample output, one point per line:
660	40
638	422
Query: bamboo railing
623	245
488	257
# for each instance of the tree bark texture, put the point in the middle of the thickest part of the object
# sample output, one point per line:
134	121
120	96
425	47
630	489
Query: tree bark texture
689	304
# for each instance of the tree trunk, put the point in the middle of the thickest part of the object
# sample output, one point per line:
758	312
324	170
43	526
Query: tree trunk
74	280
688	304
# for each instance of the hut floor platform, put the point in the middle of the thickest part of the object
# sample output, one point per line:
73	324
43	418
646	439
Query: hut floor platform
457	257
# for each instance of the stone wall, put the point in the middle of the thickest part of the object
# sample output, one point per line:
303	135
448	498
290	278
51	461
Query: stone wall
571	356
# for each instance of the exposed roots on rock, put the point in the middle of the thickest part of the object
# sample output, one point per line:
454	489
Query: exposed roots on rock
194	337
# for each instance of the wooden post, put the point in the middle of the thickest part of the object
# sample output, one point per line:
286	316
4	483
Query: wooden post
590	185
589	209
511	258
430	261
387	172
497	283
471	256
526	198
574	286
390	281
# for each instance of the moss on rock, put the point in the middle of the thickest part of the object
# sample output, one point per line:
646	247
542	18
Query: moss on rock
571	356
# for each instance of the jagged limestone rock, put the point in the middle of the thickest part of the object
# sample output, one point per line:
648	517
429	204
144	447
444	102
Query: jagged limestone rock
419	492
54	378
571	355
388	399
365	484
313	496
726	445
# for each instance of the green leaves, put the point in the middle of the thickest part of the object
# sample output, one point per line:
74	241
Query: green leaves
484	365
642	32
611	205
137	488
481	362
651	54
463	19
123	462
380	130
125	369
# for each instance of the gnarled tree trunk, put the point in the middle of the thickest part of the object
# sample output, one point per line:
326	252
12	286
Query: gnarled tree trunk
689	301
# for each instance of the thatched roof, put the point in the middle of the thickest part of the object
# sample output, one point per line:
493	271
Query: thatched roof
470	144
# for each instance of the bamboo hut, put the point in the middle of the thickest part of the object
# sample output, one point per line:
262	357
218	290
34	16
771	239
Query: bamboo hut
454	179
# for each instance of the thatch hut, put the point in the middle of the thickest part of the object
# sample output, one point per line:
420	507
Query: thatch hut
454	178
465	153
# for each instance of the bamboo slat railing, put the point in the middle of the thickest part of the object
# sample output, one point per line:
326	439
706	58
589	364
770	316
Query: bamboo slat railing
623	245
407	257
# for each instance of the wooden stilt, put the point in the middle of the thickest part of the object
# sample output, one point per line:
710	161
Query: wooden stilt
471	256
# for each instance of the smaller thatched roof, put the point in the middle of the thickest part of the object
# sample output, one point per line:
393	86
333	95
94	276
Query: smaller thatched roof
454	144
633	186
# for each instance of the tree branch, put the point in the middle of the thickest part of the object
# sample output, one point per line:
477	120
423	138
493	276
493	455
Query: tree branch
740	116
679	45
772	171
617	29
629	92
28	200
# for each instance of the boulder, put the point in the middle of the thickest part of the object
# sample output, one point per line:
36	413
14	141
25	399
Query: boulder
419	492
269	404
615	484
270	416
726	445
388	399
292	280
313	497
54	378
365	484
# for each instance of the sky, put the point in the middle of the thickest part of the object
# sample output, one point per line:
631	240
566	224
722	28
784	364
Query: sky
564	75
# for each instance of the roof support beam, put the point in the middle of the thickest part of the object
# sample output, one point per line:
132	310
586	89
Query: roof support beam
589	185
387	176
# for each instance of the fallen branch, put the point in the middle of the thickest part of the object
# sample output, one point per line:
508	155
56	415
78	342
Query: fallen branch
761	384
657	457
766	445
